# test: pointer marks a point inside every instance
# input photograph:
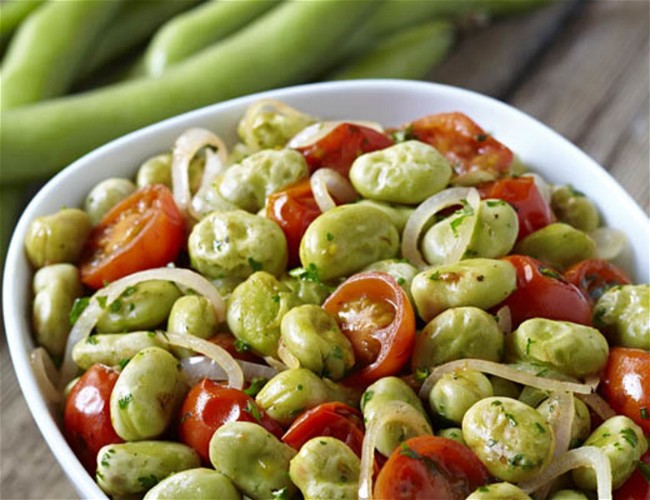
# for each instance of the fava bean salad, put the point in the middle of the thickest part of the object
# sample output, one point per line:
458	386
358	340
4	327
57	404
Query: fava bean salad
338	310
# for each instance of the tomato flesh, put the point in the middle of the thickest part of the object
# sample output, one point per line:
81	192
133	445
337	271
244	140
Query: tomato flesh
595	276
637	487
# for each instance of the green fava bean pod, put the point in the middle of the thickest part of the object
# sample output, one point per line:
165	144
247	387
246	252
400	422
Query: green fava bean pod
57	238
622	442
113	349
313	337
142	307
146	395
558	245
512	439
347	238
457	333
197	484
227	244
574	208
255	311
622	313
481	283
105	195
253	459
499	491
133	468
457	392
581	425
572	349
192	315
408	172
326	467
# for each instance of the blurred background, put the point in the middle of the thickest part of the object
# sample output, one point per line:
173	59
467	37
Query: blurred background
582	67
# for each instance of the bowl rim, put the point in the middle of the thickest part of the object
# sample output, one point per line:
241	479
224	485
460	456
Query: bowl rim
18	344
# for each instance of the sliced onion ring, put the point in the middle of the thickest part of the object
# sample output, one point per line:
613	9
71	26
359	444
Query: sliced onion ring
598	405
504	320
423	214
286	356
503	371
88	318
316	131
275	364
45	374
248	120
610	242
326	180
199	367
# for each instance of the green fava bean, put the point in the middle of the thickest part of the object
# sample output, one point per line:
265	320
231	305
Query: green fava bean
57	238
253	459
558	245
133	468
306	291
499	491
198	484
347	238
572	349
326	467
581	425
192	315
55	289
457	333
408	172
512	439
504	387
402	271
568	495
622	442
493	236
455	433
313	337
574	208
271	129
622	313
113	348
227	244
457	392
105	196
481	283
255	311
247	184
146	395
398	214
141	307
158	170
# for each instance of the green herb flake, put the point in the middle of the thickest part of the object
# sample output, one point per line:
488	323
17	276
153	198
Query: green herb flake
330	237
482	137
540	428
254	411
496	403
123	362
276	298
241	346
421	373
401	281
644	468
574	191
92	340
337	352
483	489
129	290
630	436
115	306
435	276
300	387
491	442
255	266
185	416
104	461
77	308
282	494
101	300
529	342
124	401
367	396
409	452
550	273
309	273
644	413
256	386
495	203
518	460
511	419
148	482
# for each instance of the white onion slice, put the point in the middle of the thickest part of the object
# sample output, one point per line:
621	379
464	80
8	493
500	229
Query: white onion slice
609	242
274	363
316	131
503	371
200	367
88	318
504	320
286	356
185	148
45	374
598	405
423	214
326	180
586	456
248	120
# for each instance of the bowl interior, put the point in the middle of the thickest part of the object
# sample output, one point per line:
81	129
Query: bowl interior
389	102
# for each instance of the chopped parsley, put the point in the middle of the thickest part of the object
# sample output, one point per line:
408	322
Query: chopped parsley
276	298
129	290
124	401
511	419
101	300
409	452
241	346
421	373
330	236
401	281
309	273
256	386
462	214
491	442
644	413
255	266
402	135
92	340
630	436
529	342
148	482
496	403
540	428
495	203
253	411
123	362
547	271
435	276
77	308
337	352
115	306
644	468
482	137
367	396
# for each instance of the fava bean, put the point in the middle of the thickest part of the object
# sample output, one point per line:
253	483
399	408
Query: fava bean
112	349
455	433
504	387
456	392
198	484
581	425
192	315
402	271
105	195
306	291
398	214
558	245
568	495
499	491
574	208
622	313
156	170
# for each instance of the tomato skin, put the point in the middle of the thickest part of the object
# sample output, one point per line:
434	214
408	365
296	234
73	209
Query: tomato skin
430	467
595	276
87	415
208	405
293	209
463	142
391	346
533	211
626	384
636	487
114	249
342	145
543	293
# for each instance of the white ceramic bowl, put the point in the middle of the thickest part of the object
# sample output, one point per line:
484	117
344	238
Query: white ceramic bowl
388	102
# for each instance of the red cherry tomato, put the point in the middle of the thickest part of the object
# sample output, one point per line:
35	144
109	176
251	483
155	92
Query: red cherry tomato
87	417
542	292
293	209
466	145
208	406
430	467
342	145
626	384
533	211
141	232
337	420
594	276
637	487
376	316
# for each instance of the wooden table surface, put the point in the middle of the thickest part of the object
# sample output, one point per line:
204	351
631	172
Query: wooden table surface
581	67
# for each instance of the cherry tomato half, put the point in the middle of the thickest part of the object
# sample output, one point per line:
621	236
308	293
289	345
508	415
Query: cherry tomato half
208	405
376	316
533	211
637	487
466	145
594	276
342	145
293	209
430	467
626	384
141	232
87	416
542	292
